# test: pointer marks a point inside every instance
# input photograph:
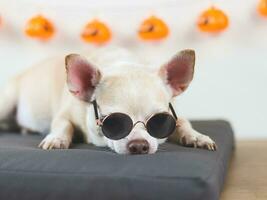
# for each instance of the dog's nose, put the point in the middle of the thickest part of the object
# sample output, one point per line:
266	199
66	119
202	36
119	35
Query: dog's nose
138	147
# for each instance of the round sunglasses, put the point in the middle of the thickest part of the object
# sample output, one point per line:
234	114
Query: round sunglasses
118	125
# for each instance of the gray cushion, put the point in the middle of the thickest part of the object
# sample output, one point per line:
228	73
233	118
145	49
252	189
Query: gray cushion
89	172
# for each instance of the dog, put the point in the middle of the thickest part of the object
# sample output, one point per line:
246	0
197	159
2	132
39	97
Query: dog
55	97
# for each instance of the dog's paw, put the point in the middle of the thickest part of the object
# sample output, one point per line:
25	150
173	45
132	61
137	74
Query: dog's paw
198	140
55	142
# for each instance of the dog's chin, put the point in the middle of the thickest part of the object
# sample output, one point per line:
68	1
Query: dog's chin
120	146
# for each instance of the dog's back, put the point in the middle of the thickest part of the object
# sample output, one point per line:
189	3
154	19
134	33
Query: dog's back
34	94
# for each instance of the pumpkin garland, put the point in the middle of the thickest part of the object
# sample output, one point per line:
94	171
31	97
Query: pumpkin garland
153	28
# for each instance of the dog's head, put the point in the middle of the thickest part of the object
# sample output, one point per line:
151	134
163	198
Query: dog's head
135	91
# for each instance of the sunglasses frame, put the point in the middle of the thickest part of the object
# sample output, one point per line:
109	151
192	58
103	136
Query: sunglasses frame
99	121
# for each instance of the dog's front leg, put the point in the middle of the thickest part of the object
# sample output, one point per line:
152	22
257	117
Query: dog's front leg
60	136
187	136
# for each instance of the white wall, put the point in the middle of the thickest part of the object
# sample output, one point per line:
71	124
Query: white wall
231	69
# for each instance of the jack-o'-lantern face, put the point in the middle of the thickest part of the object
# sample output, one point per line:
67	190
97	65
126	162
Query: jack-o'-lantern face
96	32
212	20
153	28
39	27
262	8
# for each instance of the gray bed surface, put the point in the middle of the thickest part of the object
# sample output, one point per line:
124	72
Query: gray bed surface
89	172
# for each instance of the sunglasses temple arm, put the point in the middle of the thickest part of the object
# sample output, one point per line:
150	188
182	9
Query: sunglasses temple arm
173	111
96	113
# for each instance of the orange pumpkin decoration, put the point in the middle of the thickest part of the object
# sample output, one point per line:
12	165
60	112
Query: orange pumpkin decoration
153	28
96	32
213	20
262	8
40	28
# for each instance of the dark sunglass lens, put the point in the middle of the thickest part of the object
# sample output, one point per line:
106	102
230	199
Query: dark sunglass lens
161	125
117	126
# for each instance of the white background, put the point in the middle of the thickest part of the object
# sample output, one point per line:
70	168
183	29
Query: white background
231	69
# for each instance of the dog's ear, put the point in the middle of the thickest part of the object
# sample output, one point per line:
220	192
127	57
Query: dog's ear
178	72
82	76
